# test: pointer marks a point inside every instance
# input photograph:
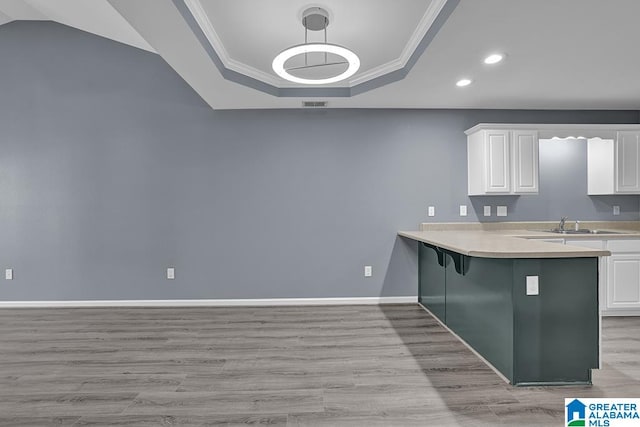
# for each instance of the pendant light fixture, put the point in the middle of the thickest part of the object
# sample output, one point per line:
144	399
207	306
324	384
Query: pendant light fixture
316	19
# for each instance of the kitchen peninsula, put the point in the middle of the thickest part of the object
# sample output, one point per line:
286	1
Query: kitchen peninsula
529	307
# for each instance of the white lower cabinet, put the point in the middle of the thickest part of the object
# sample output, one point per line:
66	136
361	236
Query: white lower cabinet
623	278
619	275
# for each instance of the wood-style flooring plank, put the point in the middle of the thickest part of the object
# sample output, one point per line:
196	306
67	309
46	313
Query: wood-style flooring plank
37	421
390	365
225	402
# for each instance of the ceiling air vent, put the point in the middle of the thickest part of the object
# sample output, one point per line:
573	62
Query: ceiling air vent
314	104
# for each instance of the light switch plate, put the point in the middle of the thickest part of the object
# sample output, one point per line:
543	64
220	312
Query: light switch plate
431	211
533	287
463	210
368	271
501	211
8	274
487	211
616	210
171	273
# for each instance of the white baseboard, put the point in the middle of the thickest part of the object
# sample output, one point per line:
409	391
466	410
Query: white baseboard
621	312
212	302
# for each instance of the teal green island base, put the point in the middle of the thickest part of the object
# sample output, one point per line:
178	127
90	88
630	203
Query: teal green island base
546	339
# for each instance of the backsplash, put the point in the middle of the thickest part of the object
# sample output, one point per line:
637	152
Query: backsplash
528	225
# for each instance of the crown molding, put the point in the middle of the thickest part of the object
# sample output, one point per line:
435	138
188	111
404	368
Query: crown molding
436	14
376	72
427	20
200	15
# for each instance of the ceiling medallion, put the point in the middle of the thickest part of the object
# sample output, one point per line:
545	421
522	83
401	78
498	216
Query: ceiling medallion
316	19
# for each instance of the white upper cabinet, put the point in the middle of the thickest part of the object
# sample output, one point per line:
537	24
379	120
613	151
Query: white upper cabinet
496	153
525	162
628	162
614	164
502	158
502	161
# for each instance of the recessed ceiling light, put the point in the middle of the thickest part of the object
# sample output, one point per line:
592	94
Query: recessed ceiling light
463	82
493	59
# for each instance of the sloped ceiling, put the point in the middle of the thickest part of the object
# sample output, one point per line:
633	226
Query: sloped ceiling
565	54
93	16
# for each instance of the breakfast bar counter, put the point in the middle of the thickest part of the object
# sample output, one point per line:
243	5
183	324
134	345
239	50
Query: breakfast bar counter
487	244
529	308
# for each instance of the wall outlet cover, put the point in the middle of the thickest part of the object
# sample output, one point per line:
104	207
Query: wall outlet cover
463	210
8	274
368	271
171	273
501	211
533	287
431	211
487	211
616	210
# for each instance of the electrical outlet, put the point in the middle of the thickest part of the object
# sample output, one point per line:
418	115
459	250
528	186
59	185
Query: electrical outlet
8	274
431	211
533	287
171	273
501	211
368	271
463	210
616	210
487	211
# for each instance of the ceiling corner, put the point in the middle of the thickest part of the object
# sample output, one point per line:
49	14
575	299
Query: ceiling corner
202	19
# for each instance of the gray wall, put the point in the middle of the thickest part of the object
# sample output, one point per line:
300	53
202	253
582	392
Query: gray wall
112	169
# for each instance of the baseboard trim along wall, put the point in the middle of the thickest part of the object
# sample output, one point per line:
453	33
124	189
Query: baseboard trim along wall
212	302
624	313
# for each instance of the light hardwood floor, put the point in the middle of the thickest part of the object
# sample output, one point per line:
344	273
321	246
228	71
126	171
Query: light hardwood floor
390	365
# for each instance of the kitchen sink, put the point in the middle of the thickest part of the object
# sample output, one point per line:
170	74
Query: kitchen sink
583	231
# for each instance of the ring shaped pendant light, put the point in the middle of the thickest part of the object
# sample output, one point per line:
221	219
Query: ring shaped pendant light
284	56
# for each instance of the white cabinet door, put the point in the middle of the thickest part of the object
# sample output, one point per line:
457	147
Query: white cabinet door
525	161
623	284
502	161
628	162
497	162
601	166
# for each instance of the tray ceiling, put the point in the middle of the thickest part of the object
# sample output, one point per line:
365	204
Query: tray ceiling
250	34
567	54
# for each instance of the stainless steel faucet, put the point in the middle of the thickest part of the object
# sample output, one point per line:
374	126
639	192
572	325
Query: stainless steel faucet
562	221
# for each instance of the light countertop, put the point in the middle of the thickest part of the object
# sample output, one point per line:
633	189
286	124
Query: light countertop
509	243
